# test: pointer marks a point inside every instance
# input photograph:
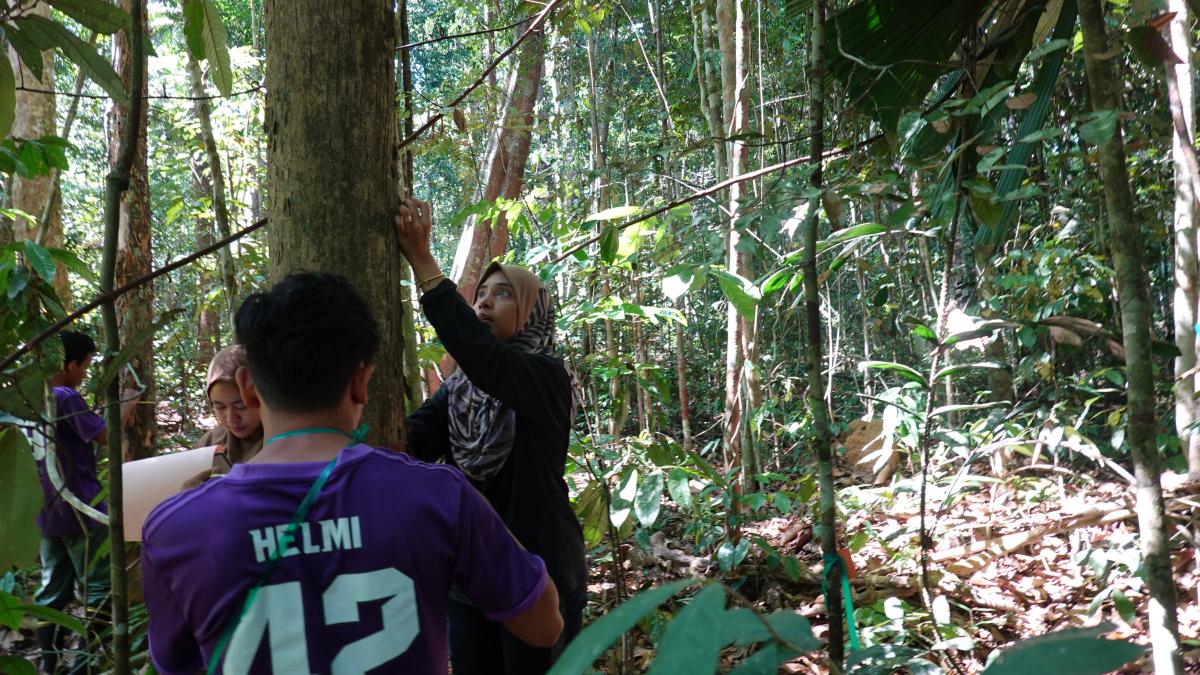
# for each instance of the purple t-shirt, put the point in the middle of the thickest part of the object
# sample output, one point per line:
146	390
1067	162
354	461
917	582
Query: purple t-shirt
361	584
77	427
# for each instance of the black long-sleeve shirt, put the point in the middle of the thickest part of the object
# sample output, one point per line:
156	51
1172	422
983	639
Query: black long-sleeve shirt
528	492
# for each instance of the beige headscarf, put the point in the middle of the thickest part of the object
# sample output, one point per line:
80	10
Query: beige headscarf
223	368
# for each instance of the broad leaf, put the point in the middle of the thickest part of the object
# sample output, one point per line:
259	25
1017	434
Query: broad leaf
610	243
1098	128
649	498
850	234
740	292
46	34
1074	651
10	605
15	665
677	485
693	641
615	213
40	260
205	34
29	53
900	369
98	15
622	499
20	501
963	367
962	407
601	633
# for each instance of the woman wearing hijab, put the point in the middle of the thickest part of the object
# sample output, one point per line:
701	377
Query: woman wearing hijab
503	418
239	430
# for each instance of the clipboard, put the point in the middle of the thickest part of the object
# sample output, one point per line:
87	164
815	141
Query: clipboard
149	482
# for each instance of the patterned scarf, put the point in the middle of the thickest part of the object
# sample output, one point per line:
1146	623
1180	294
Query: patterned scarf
482	429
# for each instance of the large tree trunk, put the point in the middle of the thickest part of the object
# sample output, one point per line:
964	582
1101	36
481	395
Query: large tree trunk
506	165
1126	240
1183	102
216	185
332	167
135	310
35	118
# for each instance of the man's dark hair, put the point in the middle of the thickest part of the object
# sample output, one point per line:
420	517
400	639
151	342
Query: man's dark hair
305	338
76	346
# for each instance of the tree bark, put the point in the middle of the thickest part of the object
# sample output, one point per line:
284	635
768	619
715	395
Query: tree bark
35	118
1126	243
816	385
135	310
1187	269
208	320
216	186
506	165
408	310
333	170
733	30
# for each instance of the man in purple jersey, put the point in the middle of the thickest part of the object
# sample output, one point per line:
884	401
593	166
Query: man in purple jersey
321	555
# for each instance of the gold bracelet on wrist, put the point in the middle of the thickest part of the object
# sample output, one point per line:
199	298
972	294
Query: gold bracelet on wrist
431	279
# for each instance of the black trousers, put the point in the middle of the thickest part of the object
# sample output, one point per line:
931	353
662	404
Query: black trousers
482	647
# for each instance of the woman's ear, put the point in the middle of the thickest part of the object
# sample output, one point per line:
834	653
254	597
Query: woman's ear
245	384
358	385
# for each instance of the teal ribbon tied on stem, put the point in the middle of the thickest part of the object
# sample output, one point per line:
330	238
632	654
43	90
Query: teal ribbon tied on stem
833	562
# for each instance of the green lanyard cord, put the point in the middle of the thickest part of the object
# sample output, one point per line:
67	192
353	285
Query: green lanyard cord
832	562
357	436
273	559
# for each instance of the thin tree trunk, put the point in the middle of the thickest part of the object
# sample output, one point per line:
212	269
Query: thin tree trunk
733	28
506	165
208	330
118	182
1104	85
35	118
331	112
816	386
216	183
135	310
412	366
711	95
1187	269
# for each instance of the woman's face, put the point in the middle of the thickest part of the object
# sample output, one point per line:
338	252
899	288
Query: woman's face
496	305
231	413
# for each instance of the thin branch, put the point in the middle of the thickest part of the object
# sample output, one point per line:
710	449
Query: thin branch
136	283
534	26
456	36
76	94
712	189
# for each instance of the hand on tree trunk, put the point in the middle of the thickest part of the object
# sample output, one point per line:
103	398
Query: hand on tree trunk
414	224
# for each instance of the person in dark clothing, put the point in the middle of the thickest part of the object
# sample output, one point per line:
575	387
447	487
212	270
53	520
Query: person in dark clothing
503	418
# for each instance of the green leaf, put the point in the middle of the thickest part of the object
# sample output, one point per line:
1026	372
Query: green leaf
29	54
778	281
850	234
740	291
730	556
693	641
682	280
1099	127
923	331
1123	604
592	513
622	500
615	213
20	501
795	630
100	16
47	34
649	498
610	243
11	604
900	369
962	407
205	35
1077	651
73	263
39	258
963	367
8	95
677	485
603	632
15	665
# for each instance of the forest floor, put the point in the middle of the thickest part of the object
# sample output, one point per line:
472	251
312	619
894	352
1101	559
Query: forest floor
1045	549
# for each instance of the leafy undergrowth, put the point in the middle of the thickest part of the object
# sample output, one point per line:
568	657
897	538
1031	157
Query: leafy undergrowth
1039	551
